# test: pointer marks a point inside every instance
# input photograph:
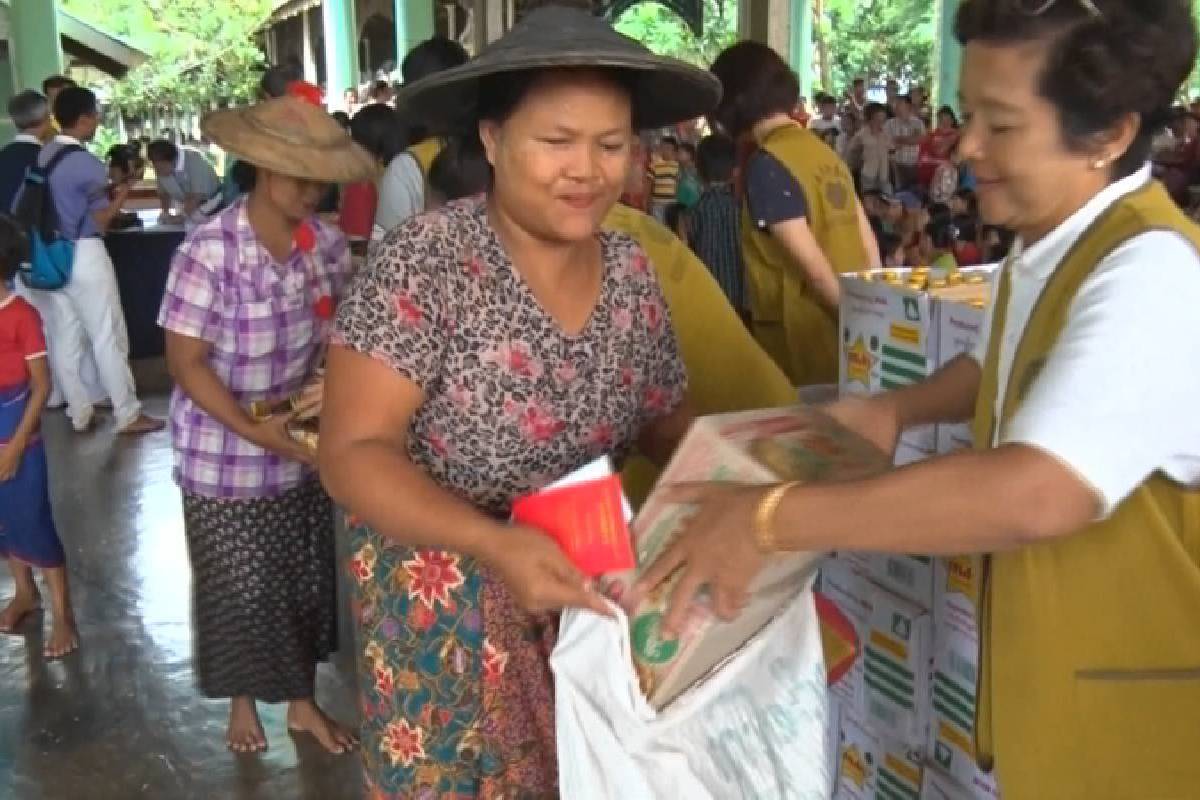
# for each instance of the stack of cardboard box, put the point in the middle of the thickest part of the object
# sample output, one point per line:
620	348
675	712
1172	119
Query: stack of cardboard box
905	710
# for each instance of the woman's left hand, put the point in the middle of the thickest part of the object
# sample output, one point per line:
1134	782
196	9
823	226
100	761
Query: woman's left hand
715	548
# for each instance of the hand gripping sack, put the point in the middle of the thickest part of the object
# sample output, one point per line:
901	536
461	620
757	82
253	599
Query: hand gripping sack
753	728
51	253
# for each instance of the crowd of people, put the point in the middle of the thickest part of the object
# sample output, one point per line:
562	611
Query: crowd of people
534	292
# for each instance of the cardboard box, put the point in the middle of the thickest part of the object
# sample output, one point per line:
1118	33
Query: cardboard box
850	591
958	587
960	329
908	576
767	446
888	340
857	751
937	786
899	771
897	666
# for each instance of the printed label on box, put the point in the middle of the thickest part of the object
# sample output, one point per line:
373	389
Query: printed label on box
896	665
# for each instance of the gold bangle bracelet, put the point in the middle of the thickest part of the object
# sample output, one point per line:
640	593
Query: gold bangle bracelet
764	517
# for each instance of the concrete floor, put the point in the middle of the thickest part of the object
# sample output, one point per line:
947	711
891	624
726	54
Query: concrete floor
122	718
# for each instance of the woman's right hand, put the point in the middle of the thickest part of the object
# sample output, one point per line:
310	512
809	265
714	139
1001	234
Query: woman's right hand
876	419
538	574
272	434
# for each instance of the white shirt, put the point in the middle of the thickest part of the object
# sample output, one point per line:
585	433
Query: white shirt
1117	399
27	138
401	194
906	154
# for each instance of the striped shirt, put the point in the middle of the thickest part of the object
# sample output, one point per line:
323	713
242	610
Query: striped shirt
715	236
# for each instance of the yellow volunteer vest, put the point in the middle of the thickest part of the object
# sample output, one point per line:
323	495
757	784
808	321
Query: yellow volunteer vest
788	321
727	370
425	152
1090	664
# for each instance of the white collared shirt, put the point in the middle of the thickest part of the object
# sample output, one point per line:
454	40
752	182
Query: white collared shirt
27	138
1117	399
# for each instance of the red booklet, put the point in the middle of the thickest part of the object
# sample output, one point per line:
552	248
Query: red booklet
587	520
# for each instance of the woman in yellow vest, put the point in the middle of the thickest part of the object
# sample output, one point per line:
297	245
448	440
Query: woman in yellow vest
1083	484
802	225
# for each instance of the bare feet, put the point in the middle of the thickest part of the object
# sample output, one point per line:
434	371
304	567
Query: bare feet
142	424
15	612
64	639
304	716
245	734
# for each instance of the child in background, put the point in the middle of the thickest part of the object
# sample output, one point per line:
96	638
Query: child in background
460	170
938	243
891	248
713	224
28	537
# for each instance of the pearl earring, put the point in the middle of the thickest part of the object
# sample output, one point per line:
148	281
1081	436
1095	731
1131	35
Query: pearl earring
1099	163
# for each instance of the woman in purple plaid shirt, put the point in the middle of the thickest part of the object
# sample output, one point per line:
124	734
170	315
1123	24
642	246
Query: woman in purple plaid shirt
243	322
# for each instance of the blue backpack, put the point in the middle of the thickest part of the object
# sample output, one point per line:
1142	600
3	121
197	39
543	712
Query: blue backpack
50	251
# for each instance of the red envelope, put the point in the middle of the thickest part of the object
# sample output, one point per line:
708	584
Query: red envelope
588	522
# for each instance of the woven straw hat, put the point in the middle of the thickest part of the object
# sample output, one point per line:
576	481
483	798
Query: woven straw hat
665	90
290	136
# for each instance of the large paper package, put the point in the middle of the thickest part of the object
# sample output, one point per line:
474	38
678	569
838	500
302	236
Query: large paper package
956	673
938	786
888	341
857	750
752	447
960	329
755	728
897	667
850	591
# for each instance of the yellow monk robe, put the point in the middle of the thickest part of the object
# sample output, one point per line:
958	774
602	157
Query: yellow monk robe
727	370
799	333
1090	671
424	152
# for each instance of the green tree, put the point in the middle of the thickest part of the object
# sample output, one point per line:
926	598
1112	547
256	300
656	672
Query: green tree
876	39
201	51
665	33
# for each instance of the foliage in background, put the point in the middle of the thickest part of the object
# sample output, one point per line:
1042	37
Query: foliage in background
201	51
666	34
876	40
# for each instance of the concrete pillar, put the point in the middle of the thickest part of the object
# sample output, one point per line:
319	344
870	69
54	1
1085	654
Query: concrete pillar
800	48
768	22
949	56
33	35
414	24
341	50
307	54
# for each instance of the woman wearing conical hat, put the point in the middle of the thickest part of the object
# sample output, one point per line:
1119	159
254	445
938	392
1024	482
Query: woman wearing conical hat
243	314
489	348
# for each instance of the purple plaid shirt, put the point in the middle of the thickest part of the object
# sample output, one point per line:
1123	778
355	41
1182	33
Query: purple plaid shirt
259	316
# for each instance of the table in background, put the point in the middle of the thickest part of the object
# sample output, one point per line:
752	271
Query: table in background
142	259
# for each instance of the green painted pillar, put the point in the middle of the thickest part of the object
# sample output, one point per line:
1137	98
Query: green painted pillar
33	35
414	24
949	56
800	46
341	50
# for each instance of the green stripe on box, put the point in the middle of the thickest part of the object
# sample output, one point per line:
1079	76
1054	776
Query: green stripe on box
897	684
901	371
888	692
889	385
893	784
956	689
886	793
904	355
952	714
873	654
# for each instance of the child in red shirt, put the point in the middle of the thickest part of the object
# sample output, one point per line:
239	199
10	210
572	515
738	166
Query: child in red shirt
28	537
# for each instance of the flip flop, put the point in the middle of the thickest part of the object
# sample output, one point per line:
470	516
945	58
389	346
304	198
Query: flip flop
142	425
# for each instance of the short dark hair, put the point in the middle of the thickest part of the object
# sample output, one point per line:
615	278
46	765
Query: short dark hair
757	83
57	82
1086	75
906	98
275	79
341	118
461	169
874	108
431	57
28	109
942	231
379	87
161	150
824	99
716	158
14	247
948	111
377	128
73	103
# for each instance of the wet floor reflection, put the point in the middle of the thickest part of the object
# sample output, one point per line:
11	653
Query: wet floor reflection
121	718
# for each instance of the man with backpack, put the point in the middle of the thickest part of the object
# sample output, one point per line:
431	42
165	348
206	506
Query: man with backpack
87	306
30	114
